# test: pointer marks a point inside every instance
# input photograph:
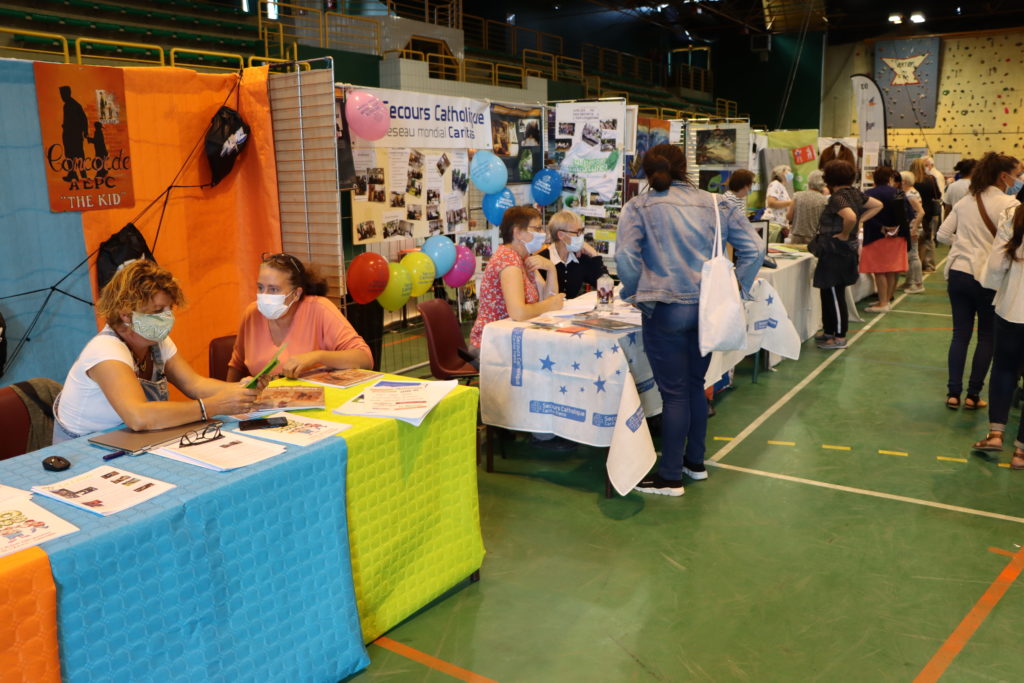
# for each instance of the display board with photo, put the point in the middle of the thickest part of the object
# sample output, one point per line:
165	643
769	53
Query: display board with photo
589	145
517	137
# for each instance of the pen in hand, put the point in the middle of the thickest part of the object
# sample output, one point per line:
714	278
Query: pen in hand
115	454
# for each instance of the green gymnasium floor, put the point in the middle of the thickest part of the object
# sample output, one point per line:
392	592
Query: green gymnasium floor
847	534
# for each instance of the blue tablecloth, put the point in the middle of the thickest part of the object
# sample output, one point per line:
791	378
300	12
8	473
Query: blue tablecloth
231	576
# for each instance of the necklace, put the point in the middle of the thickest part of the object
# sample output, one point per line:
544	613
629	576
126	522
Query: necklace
140	363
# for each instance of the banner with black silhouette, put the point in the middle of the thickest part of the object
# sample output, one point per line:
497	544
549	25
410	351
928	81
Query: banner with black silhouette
907	71
84	124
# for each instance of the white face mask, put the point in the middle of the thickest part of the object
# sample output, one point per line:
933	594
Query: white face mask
536	242
575	244
272	306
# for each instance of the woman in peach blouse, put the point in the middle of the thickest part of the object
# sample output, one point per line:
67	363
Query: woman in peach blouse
290	307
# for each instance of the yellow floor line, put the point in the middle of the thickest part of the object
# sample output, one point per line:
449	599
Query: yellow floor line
782	443
722	438
894	453
835	448
942	457
1005	464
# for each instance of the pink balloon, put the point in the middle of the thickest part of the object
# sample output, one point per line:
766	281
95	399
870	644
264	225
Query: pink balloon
367	116
462	271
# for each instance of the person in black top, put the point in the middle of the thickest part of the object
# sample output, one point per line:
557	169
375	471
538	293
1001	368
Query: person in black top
835	245
577	262
886	237
931	197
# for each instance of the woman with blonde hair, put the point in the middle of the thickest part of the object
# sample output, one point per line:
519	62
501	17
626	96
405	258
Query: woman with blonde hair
577	262
122	374
928	188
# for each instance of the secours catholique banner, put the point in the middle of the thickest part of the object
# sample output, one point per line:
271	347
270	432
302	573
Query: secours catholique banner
84	125
431	121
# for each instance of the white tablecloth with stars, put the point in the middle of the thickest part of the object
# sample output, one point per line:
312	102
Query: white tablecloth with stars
592	387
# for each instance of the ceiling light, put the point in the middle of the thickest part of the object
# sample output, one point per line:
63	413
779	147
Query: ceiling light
917	18
895	18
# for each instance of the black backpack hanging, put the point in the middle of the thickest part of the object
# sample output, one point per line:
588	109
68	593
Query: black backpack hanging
124	246
225	140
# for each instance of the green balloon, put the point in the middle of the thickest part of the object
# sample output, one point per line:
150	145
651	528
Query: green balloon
399	287
421	269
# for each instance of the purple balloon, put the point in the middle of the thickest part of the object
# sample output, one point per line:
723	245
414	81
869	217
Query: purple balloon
462	271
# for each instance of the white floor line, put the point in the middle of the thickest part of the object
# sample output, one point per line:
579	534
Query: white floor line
874	494
937	315
763	417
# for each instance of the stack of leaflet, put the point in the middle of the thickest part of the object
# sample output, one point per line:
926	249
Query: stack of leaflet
24	524
300	430
227	452
104	490
408	401
275	399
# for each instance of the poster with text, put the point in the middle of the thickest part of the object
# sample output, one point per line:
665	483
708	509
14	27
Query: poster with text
590	135
517	134
84	123
424	121
404	192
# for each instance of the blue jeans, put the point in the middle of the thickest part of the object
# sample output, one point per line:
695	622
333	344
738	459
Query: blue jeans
1006	368
968	298
671	344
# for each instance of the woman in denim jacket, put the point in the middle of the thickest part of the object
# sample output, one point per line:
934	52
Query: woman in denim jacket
663	240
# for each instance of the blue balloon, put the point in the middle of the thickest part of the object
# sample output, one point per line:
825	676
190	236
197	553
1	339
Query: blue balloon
441	251
488	172
546	186
495	204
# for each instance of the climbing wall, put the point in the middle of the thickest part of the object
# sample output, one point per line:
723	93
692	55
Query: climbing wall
981	98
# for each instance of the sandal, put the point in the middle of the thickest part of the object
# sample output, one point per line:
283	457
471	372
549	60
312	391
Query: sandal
1018	460
974	403
952	402
988	444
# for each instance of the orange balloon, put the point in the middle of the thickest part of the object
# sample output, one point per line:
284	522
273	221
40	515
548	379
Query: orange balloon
368	275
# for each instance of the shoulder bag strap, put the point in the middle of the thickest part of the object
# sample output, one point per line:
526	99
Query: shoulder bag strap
716	249
984	215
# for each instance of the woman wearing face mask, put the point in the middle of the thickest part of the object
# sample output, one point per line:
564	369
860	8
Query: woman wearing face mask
778	197
575	261
970	228
517	283
122	374
290	307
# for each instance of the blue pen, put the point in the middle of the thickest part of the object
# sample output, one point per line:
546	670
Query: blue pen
115	454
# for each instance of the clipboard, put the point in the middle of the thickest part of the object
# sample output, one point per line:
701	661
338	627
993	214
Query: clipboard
136	442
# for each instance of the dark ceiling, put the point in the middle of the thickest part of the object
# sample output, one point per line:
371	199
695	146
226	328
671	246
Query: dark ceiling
708	20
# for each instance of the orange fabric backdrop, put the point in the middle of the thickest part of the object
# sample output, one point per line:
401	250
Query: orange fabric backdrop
28	619
211	239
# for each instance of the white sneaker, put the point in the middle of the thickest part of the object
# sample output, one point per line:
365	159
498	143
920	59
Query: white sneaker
877	309
916	289
695	475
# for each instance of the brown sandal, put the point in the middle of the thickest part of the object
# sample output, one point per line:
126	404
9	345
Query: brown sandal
1018	460
987	445
952	402
974	403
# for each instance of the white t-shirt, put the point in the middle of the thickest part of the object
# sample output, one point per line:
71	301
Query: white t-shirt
776	190
956	191
965	231
83	407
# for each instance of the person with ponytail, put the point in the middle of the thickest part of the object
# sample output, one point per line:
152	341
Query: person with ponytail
1004	272
664	237
970	228
291	307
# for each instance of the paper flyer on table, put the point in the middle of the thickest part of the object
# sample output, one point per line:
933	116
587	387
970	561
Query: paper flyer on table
340	378
227	452
300	430
389	403
631	455
104	490
24	524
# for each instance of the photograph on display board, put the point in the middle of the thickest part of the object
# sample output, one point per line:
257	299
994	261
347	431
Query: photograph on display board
649	133
714	181
716	146
590	155
517	139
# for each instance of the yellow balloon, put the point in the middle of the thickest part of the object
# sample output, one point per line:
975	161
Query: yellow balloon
421	268
399	287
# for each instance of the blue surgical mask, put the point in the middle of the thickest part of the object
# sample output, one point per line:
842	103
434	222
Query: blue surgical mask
789	177
1012	190
536	242
153	326
575	244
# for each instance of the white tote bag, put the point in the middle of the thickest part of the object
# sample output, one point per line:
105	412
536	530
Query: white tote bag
723	322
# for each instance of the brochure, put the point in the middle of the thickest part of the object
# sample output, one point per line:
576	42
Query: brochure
408	401
227	452
24	524
342	379
255	381
300	430
276	399
104	490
